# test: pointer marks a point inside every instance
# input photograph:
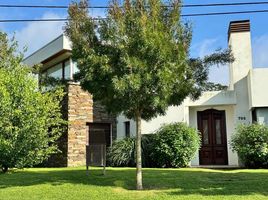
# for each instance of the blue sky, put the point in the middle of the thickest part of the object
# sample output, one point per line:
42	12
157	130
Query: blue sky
209	32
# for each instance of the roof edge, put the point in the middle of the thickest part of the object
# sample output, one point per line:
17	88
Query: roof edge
61	35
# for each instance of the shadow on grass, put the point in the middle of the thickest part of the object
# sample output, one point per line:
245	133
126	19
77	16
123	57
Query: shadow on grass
171	181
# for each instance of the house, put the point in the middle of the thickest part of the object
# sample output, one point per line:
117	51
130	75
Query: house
82	114
216	113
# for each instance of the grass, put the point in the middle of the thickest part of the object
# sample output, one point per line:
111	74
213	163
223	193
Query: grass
119	183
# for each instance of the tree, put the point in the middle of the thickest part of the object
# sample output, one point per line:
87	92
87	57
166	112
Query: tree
136	62
31	121
215	87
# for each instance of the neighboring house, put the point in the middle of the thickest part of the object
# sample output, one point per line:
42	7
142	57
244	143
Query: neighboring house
216	114
82	114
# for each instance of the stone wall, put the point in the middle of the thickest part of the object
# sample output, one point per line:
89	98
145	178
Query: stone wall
81	111
101	115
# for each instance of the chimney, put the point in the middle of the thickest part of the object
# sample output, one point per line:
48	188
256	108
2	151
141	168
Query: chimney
239	40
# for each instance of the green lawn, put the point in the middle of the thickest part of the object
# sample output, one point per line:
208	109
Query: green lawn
119	183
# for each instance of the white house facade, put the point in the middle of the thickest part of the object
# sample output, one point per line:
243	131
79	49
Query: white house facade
215	114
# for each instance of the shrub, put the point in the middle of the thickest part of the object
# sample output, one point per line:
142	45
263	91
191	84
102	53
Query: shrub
175	145
148	147
251	144
122	152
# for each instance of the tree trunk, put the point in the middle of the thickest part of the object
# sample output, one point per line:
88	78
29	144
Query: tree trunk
138	152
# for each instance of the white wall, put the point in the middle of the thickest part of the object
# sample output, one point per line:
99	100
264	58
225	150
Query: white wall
50	49
214	98
121	119
173	114
240	43
242	108
230	128
259	87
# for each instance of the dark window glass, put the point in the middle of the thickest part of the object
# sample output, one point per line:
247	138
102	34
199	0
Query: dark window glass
254	116
218	131
205	132
127	128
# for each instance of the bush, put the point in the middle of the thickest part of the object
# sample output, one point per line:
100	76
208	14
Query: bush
251	144
31	121
122	152
175	145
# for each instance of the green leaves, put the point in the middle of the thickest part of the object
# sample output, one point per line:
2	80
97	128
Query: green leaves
122	153
138	59
134	59
251	144
30	121
175	145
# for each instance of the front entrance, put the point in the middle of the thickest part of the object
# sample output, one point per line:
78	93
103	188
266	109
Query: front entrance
99	138
211	124
99	133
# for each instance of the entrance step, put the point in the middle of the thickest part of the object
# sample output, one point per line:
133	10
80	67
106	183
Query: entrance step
216	166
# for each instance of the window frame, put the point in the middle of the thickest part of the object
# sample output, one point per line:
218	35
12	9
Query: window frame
62	67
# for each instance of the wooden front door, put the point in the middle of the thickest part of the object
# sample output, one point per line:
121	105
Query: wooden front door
211	124
100	133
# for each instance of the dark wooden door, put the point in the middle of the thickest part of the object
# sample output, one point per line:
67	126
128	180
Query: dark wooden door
211	124
99	133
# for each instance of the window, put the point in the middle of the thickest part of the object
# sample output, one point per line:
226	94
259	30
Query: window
254	116
67	70
55	71
262	115
75	68
127	128
63	70
218	131
205	132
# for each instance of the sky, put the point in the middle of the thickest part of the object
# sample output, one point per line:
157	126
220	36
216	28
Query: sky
209	32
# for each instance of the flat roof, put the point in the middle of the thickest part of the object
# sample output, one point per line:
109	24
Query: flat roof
49	50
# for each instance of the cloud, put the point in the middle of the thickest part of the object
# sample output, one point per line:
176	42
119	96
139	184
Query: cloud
260	49
205	47
37	34
97	12
220	74
217	74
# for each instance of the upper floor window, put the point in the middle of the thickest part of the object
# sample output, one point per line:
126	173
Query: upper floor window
63	70
55	71
75	68
67	70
